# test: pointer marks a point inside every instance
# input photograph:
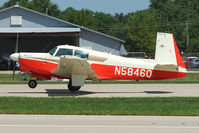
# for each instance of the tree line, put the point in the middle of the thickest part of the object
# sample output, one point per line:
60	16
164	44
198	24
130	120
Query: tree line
138	29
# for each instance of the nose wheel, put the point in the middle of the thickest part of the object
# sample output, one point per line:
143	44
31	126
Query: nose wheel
32	84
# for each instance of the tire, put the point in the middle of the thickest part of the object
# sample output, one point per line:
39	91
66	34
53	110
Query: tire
32	84
73	88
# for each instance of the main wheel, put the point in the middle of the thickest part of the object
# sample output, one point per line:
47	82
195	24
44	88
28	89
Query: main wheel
32	84
73	88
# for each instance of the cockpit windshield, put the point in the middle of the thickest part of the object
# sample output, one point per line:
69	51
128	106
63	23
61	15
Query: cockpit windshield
63	51
52	51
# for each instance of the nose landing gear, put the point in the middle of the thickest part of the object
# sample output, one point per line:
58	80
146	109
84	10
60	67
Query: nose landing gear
32	84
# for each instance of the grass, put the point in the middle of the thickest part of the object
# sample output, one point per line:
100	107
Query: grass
19	79
179	106
8	77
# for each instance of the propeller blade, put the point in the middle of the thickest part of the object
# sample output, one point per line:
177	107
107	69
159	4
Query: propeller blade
15	55
14	67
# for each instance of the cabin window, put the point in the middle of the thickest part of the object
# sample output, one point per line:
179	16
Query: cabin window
64	52
52	51
81	54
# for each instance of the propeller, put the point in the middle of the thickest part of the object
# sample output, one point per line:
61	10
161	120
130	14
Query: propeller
14	69
15	58
14	62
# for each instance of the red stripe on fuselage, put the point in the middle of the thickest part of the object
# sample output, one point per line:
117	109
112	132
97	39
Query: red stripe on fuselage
109	72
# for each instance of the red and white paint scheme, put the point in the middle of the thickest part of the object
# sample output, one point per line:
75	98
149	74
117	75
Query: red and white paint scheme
79	64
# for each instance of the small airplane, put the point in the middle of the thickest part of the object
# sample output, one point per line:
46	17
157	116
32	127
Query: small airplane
79	64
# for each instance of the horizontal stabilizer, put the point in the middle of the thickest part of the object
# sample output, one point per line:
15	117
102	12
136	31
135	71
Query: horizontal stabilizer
170	67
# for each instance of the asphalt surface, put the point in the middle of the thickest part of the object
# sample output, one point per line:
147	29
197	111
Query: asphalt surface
100	124
103	90
97	124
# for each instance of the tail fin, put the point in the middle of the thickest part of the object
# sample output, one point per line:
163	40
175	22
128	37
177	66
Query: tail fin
167	52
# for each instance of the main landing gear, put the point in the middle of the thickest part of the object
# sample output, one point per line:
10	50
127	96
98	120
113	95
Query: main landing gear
32	84
72	88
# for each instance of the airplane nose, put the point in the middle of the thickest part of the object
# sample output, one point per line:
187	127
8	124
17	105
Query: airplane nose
15	56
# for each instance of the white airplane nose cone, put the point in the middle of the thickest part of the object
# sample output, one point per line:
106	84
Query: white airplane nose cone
15	56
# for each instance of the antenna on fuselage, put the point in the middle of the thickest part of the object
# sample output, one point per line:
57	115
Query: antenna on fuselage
47	46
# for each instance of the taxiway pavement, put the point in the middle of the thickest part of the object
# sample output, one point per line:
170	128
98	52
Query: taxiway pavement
103	90
97	124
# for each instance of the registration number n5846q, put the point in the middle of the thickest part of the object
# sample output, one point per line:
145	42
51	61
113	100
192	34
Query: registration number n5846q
130	71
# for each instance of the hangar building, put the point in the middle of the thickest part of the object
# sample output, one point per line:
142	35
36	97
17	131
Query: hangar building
39	33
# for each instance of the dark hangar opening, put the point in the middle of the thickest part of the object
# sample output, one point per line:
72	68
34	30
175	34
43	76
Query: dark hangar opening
32	43
35	42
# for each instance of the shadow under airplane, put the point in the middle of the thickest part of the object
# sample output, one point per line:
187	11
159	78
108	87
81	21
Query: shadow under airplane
64	92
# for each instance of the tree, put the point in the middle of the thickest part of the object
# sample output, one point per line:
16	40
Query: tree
140	32
10	3
104	21
44	6
172	15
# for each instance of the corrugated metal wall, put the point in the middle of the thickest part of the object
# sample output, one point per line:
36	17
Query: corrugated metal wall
29	19
99	43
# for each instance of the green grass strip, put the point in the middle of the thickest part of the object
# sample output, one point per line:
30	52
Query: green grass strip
180	106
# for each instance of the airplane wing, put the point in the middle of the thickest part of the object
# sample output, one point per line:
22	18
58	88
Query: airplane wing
77	68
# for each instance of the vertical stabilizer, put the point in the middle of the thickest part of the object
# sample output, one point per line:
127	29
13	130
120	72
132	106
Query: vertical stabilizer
167	52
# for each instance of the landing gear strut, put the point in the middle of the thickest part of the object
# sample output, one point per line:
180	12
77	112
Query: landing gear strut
73	88
32	84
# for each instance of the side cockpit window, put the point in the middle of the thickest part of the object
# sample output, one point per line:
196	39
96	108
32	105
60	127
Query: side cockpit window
62	51
81	54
